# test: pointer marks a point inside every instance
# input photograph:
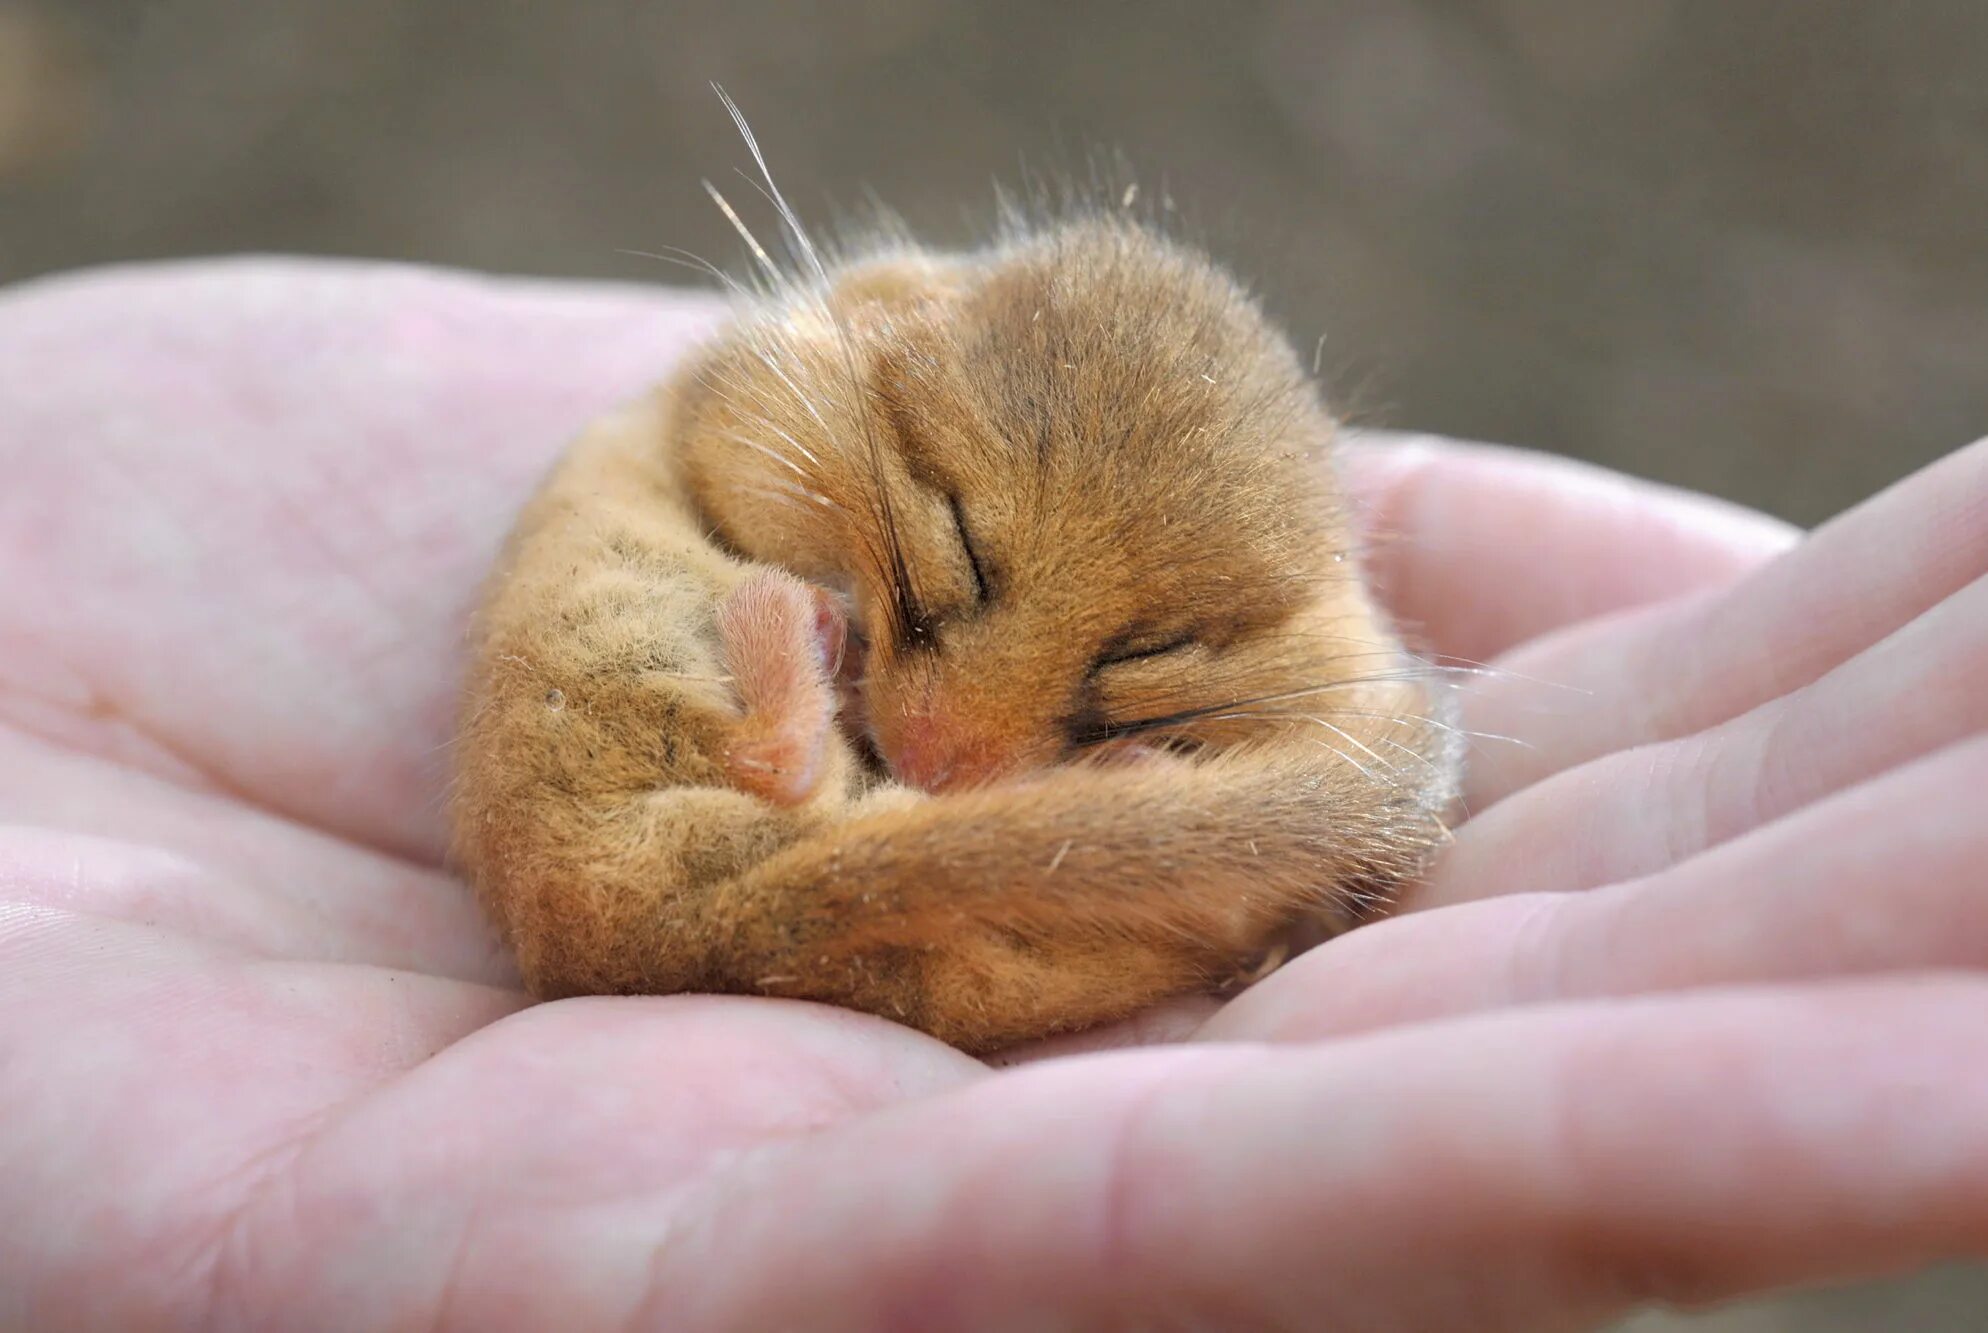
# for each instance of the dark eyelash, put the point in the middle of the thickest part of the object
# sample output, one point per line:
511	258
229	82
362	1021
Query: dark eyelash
1112	657
972	556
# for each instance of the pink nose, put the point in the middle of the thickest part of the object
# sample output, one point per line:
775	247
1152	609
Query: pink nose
934	756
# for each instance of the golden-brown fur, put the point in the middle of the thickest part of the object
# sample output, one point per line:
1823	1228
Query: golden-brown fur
1159	719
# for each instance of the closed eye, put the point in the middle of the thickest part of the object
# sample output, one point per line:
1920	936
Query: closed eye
1117	655
980	588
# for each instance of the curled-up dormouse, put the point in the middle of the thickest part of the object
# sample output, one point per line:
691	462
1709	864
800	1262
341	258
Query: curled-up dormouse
973	639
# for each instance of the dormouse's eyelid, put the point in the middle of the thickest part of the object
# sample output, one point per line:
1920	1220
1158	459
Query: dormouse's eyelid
1112	657
980	586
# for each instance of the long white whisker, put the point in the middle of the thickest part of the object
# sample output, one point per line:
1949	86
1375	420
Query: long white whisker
894	564
766	449
787	214
776	488
738	225
1341	754
761	416
1415	719
794	389
698	263
1352	740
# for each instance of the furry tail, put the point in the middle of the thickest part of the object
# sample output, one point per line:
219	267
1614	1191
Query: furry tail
993	916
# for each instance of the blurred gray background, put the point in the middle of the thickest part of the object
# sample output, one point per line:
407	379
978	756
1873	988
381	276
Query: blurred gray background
1738	246
1733	244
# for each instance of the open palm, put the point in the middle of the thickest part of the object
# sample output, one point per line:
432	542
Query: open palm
262	1065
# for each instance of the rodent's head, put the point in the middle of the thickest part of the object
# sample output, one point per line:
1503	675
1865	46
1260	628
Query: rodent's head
1074	486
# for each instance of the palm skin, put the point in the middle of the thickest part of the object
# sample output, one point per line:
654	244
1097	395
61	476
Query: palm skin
261	1064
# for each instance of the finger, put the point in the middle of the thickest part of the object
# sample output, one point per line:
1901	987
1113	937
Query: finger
280	486
94	836
1636	811
1883	877
1536	1169
1165	1023
1479	548
1668	671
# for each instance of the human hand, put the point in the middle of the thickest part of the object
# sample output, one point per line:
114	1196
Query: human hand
1778	778
260	1064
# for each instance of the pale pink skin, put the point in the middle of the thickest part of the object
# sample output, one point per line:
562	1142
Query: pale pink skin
261	1065
783	642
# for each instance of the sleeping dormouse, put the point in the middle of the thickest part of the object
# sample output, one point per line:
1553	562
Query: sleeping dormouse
977	640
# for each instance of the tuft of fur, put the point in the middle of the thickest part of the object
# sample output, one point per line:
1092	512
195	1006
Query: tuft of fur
1072	493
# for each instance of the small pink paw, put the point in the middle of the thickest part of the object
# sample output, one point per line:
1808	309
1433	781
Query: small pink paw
783	641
